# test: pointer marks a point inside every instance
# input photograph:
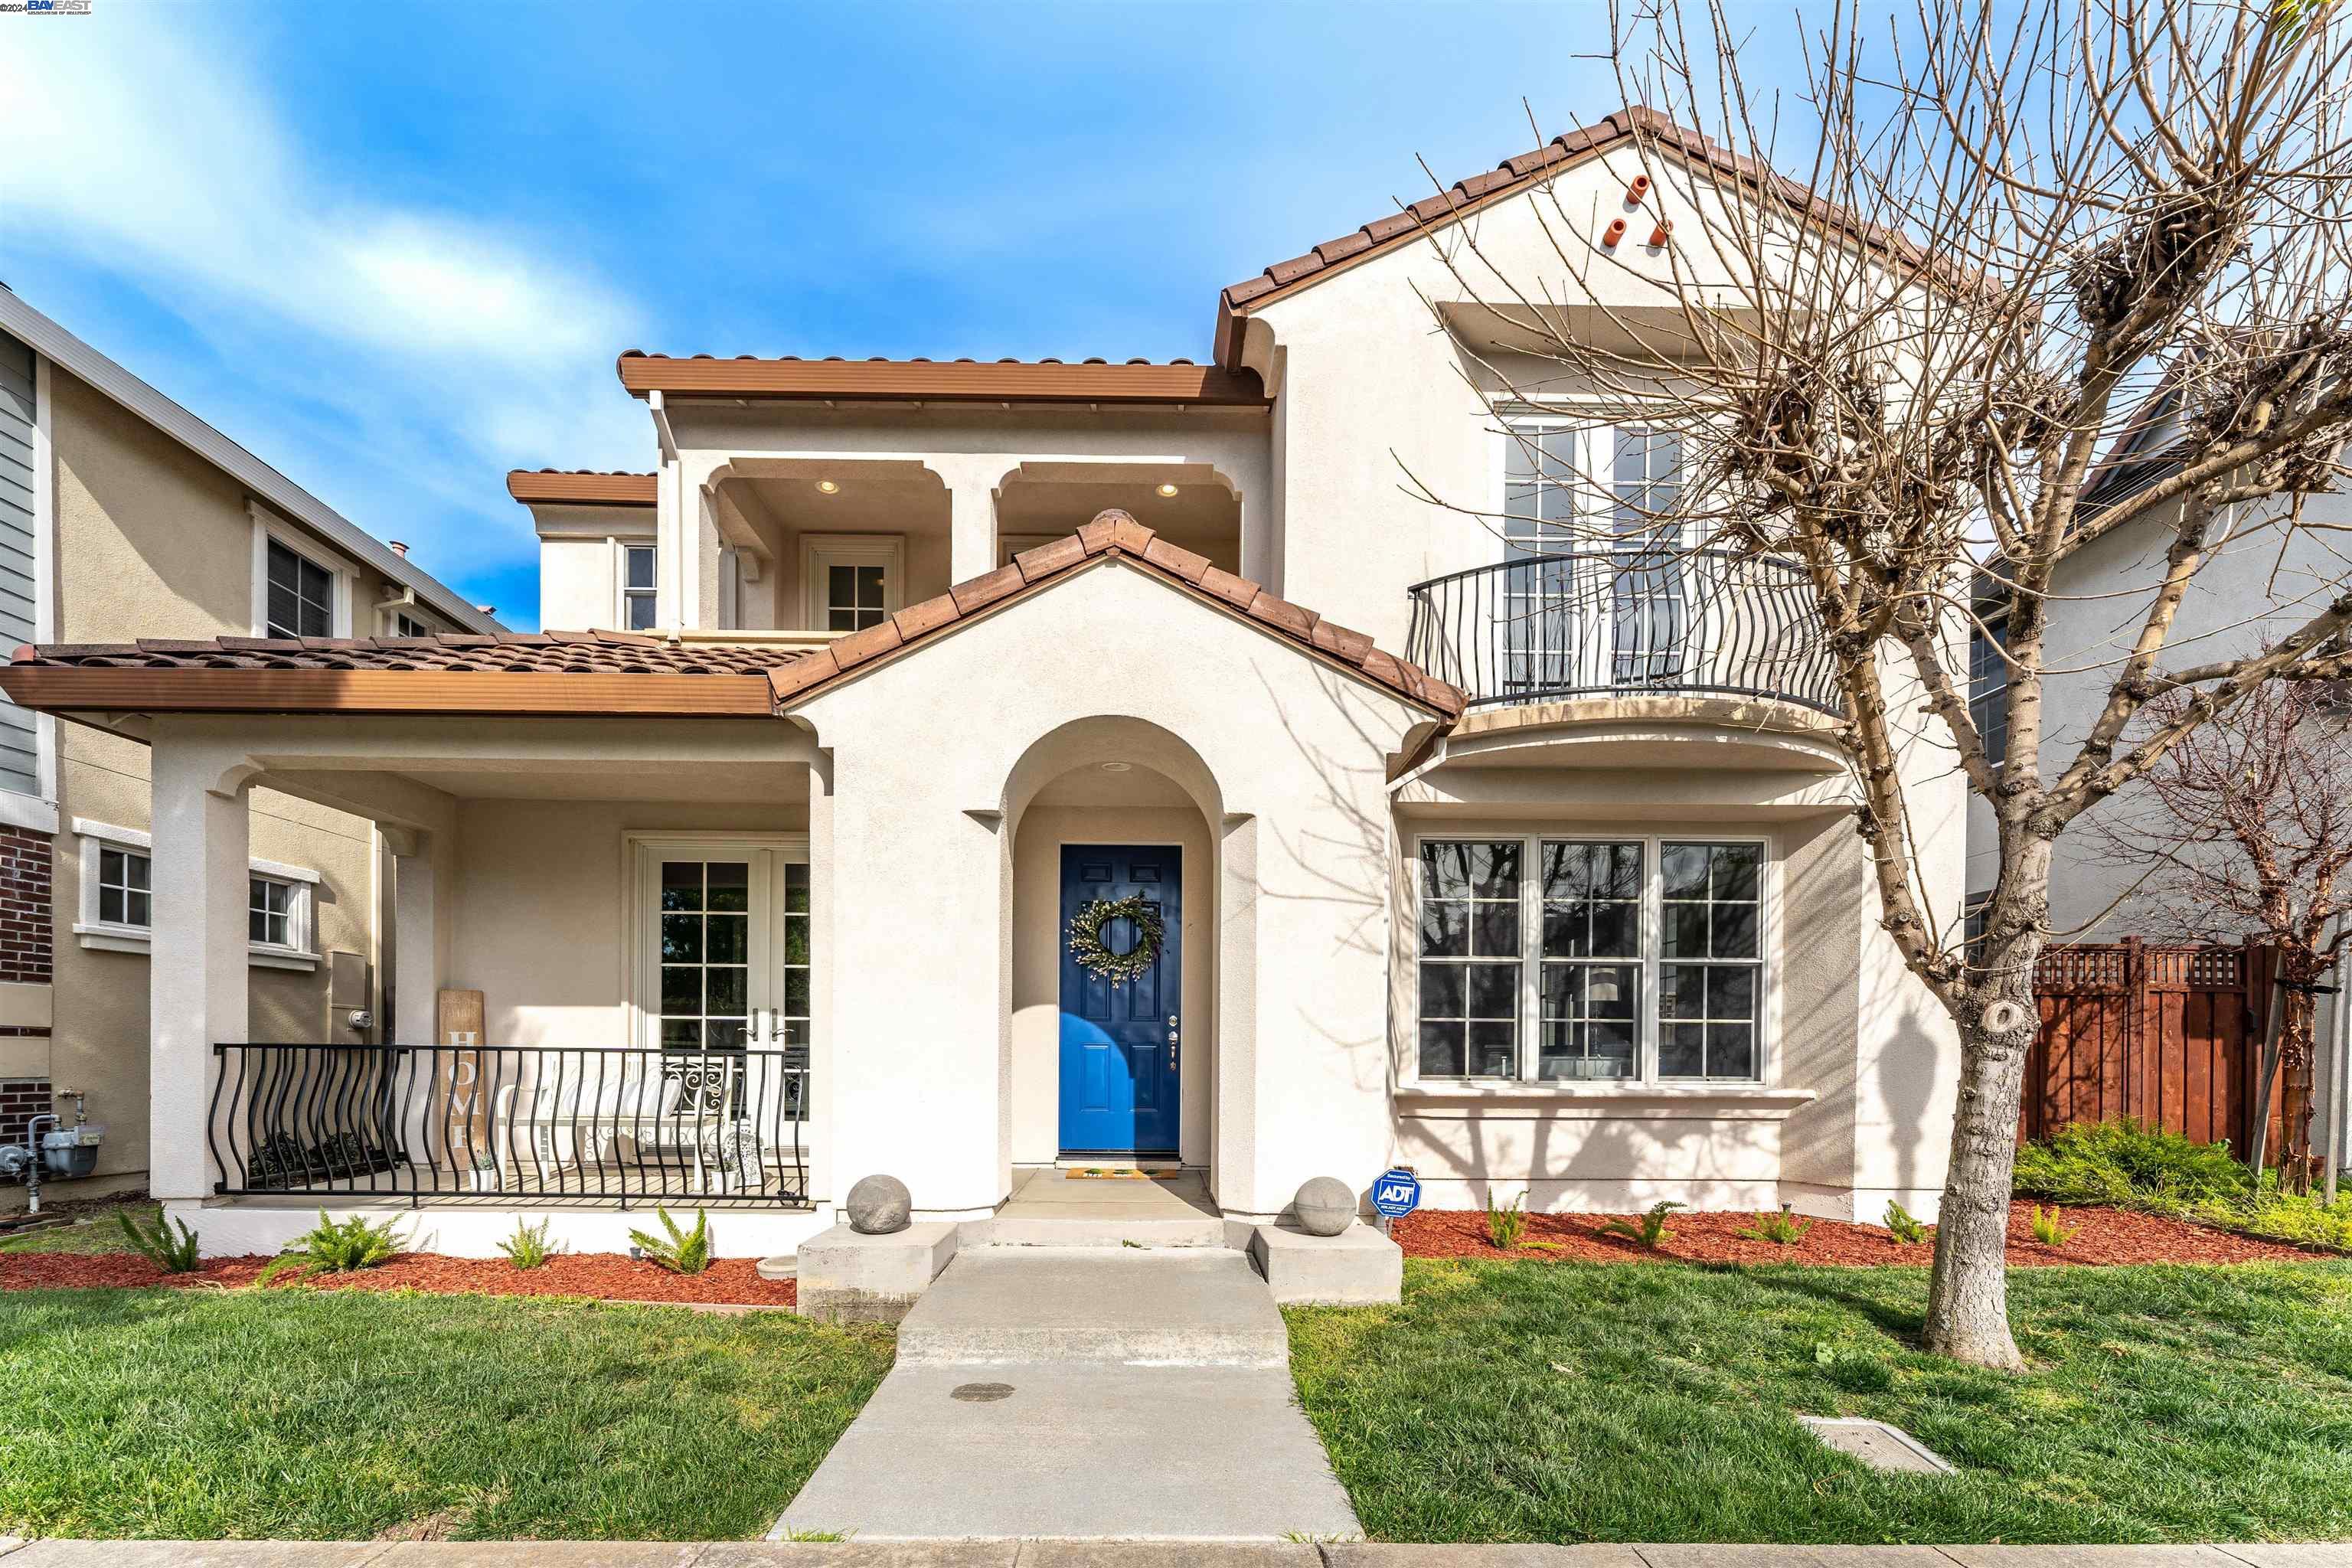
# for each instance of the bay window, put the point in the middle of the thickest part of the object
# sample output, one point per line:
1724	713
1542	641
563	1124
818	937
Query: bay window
1582	960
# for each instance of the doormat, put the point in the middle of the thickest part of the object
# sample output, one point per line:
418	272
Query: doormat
1118	1174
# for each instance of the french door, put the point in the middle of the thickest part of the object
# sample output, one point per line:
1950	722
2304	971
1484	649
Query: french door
723	945
1594	596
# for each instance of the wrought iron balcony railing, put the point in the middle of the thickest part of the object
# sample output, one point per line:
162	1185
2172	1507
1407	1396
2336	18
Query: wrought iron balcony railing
511	1123
1625	622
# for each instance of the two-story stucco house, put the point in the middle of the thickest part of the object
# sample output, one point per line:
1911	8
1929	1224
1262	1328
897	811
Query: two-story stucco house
956	770
123	515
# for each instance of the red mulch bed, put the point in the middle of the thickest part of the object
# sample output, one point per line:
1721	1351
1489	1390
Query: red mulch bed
2106	1237
604	1276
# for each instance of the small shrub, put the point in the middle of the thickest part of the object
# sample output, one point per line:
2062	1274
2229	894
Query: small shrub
1650	1230
2128	1164
2299	1219
1906	1227
1504	1227
172	1254
332	1247
2049	1229
679	1251
1781	1229
529	1248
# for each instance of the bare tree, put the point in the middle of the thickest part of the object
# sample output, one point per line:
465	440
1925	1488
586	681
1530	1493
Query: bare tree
1899	360
2244	828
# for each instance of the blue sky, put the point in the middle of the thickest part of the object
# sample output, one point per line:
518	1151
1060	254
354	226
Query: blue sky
395	249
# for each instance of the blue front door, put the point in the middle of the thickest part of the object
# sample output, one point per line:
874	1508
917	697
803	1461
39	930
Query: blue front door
1120	1043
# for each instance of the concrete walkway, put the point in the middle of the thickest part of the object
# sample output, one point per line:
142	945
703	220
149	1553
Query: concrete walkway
1119	1555
1121	1393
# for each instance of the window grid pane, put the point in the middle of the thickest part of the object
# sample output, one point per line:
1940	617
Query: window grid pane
705	954
1471	968
301	596
123	896
1711	968
1589	1010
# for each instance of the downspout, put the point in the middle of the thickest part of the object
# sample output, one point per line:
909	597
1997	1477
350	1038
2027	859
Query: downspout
2340	1067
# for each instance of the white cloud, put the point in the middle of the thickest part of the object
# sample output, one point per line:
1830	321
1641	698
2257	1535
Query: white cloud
449	341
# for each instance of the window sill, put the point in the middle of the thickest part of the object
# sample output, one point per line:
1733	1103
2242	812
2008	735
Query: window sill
111	939
1735	1101
131	938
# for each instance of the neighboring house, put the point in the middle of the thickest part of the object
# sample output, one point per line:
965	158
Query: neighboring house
1474	853
2259	584
123	515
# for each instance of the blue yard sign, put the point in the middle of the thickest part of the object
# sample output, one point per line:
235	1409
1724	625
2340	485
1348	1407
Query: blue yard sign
1397	1193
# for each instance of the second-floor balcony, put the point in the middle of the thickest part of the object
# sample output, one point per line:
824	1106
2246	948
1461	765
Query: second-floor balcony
1649	622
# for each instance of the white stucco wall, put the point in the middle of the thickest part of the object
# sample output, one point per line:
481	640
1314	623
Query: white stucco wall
1285	750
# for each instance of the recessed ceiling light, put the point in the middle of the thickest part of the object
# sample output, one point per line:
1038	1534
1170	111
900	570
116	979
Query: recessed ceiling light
1168	489
1118	767
827	486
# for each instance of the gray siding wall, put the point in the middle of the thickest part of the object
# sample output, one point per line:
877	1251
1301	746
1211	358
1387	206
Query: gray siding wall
20	767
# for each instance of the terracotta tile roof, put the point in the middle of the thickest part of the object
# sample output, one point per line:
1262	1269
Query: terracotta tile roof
624	672
1116	535
1509	178
585	486
1093	381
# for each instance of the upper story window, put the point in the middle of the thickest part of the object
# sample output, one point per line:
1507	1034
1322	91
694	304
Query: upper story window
1989	687
1569	484
852	580
409	627
125	879
638	585
1592	960
301	595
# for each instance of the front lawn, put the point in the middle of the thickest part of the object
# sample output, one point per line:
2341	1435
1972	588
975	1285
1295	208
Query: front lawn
1524	1401
302	1414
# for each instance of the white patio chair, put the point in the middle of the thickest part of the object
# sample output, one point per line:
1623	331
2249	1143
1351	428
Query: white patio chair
575	1115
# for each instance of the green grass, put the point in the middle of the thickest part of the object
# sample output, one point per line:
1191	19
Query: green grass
93	1232
204	1414
1564	1403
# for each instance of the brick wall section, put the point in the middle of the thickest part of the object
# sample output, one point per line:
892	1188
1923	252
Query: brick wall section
25	910
21	1099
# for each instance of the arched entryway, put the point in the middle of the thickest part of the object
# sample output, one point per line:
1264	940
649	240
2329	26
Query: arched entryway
1112	808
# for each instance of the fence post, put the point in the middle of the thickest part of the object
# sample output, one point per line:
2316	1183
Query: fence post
2135	1022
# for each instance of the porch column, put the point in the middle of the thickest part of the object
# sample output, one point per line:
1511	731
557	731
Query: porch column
823	1081
196	970
972	513
416	977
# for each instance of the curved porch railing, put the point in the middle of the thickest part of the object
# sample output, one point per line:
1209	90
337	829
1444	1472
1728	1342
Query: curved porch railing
1649	621
511	1123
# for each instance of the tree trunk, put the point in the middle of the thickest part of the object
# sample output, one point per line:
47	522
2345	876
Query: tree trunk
1967	1296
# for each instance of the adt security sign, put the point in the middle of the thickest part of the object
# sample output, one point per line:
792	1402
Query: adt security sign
1396	1194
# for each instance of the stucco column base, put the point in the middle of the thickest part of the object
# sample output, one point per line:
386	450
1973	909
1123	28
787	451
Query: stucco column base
1357	1268
847	1277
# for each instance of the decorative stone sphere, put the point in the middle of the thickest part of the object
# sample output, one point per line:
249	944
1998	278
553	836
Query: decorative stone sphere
1325	1205
878	1206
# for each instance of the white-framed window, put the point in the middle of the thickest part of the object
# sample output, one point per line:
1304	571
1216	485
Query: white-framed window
1595	596
639	577
300	588
723	939
852	581
1988	686
1581	959
117	912
279	920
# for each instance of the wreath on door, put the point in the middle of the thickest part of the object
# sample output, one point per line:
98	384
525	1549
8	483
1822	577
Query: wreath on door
1119	968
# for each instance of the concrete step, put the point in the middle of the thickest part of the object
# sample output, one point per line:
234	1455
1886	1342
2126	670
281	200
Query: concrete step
1110	1230
1201	1306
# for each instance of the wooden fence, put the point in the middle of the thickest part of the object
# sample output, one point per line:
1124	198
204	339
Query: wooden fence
2171	1035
